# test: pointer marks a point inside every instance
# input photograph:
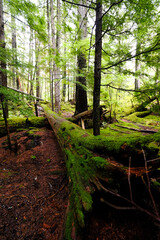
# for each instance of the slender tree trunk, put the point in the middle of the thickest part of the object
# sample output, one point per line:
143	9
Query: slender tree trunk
64	69
81	93
57	82
37	68
137	66
50	8
53	72
3	67
30	75
97	69
14	48
5	120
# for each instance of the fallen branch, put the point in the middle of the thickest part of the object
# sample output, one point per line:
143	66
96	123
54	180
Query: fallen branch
138	130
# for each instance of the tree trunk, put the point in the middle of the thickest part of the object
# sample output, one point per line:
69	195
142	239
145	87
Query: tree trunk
97	69
37	68
64	70
81	93
3	67
58	75
89	171
14	48
53	68
30	74
50	9
6	122
137	65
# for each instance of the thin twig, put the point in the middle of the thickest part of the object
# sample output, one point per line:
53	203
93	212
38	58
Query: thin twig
57	192
129	180
117	207
149	185
100	186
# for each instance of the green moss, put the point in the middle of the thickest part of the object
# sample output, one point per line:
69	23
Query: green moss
147	120
19	123
83	165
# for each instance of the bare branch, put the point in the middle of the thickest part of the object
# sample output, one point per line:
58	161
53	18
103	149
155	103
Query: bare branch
77	4
114	193
129	180
154	48
113	4
149	186
117	207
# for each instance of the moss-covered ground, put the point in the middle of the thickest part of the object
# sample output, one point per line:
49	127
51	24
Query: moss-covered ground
87	157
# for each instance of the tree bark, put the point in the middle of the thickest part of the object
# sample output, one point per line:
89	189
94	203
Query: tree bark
53	39
37	68
14	48
97	69
81	92
3	67
137	65
58	75
87	169
30	74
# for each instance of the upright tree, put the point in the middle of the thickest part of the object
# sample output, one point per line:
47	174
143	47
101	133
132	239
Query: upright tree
58	74
81	93
3	68
97	69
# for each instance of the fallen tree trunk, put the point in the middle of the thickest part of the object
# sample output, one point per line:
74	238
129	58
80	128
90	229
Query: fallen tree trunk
21	123
89	165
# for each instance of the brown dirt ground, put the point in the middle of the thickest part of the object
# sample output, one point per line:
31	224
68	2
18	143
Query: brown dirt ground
33	187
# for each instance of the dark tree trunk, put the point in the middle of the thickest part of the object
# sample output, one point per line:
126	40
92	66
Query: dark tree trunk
81	93
97	69
6	122
3	73
58	75
37	68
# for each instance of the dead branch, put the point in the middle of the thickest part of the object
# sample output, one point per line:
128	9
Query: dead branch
149	186
78	4
117	130
112	192
138	130
129	180
117	207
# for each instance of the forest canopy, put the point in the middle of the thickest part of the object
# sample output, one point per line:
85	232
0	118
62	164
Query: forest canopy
89	52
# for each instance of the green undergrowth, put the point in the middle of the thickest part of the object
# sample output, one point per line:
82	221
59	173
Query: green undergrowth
21	123
149	120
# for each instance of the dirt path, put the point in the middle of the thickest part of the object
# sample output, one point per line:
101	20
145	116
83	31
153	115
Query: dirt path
33	187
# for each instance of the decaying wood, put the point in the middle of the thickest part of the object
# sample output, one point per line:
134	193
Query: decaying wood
79	145
85	114
16	90
138	130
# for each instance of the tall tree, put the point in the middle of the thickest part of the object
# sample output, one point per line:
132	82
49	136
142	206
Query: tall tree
97	69
3	68
52	62
37	67
81	93
57	80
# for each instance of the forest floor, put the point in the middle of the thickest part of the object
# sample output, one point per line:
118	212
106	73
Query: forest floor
33	187
34	196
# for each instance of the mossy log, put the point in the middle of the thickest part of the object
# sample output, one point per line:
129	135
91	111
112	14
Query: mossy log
21	123
88	163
